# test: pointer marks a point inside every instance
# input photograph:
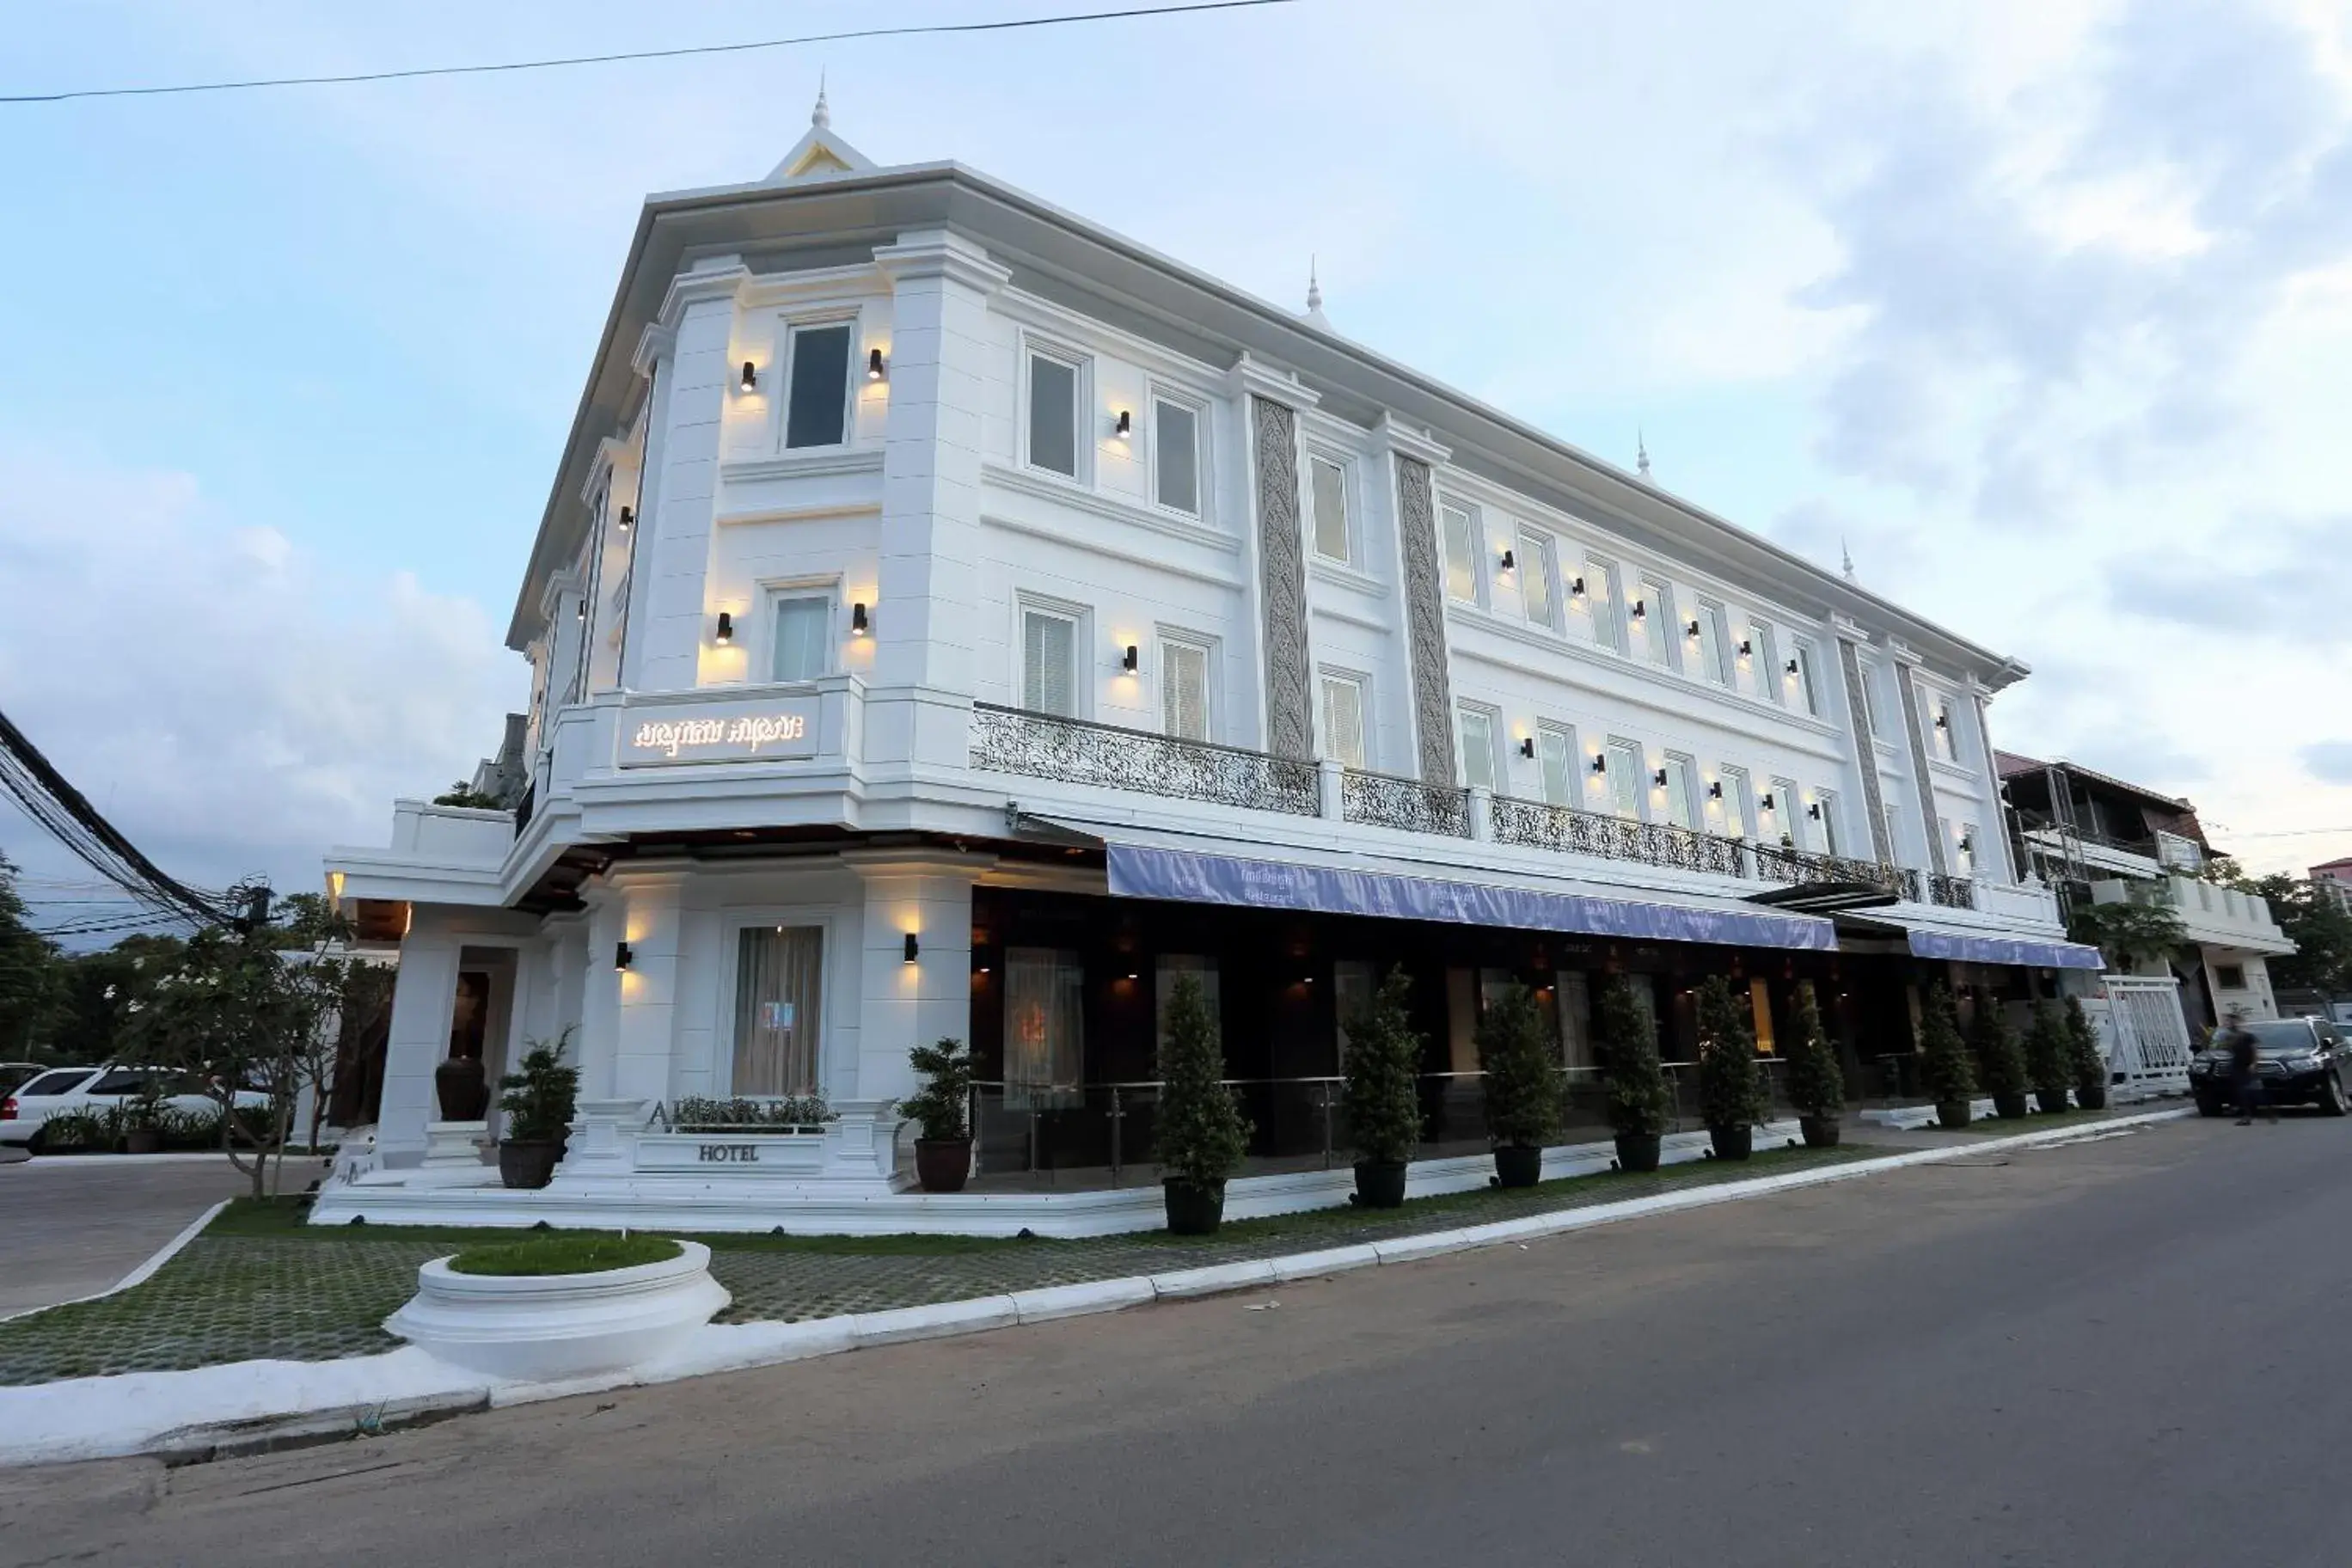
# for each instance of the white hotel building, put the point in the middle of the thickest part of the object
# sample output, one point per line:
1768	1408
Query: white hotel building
953	618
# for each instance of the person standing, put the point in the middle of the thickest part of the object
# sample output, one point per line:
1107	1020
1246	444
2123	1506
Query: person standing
2245	1083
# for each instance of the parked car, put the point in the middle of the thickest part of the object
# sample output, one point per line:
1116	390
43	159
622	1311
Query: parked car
96	1088
14	1073
2298	1061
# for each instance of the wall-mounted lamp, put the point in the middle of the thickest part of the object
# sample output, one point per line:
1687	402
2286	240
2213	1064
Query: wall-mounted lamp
751	377
1576	589
622	955
1691	630
857	622
914	948
1126	426
1792	666
874	370
1509	561
1599	765
1659	778
581	612
1527	747
1967	845
1766	800
726	632
1715	789
1746	647
629	519
1943	720
1129	661
1640	609
1814	811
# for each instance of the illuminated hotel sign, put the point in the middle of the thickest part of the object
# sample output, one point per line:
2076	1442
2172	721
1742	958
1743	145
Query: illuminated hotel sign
753	730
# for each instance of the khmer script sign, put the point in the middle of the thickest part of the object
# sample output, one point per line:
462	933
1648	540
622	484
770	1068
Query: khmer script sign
746	730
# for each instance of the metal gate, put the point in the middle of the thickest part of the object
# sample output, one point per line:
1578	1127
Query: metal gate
2142	1030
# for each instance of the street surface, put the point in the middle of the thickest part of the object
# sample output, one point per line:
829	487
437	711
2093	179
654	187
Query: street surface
74	1225
2131	1351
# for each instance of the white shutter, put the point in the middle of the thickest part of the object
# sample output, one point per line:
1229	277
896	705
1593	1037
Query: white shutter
1343	721
1045	683
1556	749
1329	487
1184	691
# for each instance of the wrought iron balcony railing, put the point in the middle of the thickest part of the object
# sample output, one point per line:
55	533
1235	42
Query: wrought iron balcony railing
1574	832
1076	751
1809	867
1386	801
1952	892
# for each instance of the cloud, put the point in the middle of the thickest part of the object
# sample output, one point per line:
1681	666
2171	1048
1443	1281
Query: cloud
2329	761
232	705
2278	581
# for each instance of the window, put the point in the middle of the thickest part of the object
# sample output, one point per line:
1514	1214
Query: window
803	638
1625	780
1939	729
1759	1007
1326	498
779	979
1574	1006
1801	676
1044	1028
1460	530
51	1083
1828	804
1343	719
816	409
2229	976
1870	698
1184	689
1894	831
1535	577
1176	457
122	1080
1714	643
1682	791
1964	850
1053	415
1785	810
1555	751
1764	661
1049	653
1660	634
1353	982
1739	805
1601	591
1477	747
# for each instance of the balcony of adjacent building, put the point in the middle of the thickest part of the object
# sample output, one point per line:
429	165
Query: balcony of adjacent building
2211	915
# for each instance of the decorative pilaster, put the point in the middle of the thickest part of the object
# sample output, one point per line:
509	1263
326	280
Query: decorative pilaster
1866	750
1282	580
1997	827
1925	781
1424	608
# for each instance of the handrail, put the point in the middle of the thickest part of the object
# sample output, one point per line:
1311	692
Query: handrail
1387	800
1082	750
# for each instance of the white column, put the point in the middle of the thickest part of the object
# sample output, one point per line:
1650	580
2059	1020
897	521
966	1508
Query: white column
649	987
423	1001
598	1043
668	618
927	894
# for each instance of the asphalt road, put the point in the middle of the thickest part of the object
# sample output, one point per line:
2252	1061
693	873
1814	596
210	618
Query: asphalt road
73	1224
2131	1351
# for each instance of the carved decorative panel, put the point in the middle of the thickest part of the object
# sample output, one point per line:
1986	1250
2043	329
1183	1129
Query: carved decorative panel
1424	607
1919	771
1865	752
1282	573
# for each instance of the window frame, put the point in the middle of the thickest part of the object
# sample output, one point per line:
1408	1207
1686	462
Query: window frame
1360	684
1827	800
1539	548
1662	628
775	595
1447	510
1764	656
1491	717
1176	638
1807	675
1609	630
1080	365
1786	813
1080	618
1739	811
793	327
1681	779
1345	469
1715	644
1548	732
1626	778
1157	395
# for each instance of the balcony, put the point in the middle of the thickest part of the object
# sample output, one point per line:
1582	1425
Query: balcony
1075	751
2212	914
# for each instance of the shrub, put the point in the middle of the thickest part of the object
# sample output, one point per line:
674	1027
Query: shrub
1200	1133
1730	1094
76	1129
1382	1075
2046	1063
1943	1058
565	1255
192	1126
1522	1079
695	1113
1816	1085
2089	1067
1993	1043
537	1101
942	1107
1636	1083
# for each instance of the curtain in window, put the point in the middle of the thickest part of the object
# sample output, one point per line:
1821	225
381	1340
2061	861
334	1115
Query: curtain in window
1556	750
1343	721
1184	689
1477	748
778	1010
1329	497
1044	1028
1046	655
804	626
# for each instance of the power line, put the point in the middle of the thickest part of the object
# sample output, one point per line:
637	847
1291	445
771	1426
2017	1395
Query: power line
671	54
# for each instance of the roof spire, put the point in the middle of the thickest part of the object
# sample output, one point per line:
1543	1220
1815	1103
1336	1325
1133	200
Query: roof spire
1848	557
821	117
1313	311
1641	452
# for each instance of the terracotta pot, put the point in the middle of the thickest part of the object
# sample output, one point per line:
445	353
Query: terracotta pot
942	1164
463	1088
1194	1208
1637	1151
1954	1113
529	1163
1518	1164
1732	1143
1821	1131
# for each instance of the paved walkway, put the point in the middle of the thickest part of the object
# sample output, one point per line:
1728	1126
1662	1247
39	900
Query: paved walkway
75	1225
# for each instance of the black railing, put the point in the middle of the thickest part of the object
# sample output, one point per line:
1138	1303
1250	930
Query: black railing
523	808
1809	867
1384	799
1574	832
1952	892
1075	751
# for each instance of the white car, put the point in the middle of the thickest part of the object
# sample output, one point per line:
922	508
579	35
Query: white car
99	1089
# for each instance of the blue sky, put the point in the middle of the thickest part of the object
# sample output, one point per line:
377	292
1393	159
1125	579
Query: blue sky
2045	308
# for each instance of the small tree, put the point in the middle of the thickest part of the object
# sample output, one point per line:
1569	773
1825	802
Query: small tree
1999	1064
538	1098
463	794
1635	1080
1522	1079
1382	1075
2127	933
1816	1084
2083	1058
1730	1094
1201	1134
942	1107
2047	1062
1943	1058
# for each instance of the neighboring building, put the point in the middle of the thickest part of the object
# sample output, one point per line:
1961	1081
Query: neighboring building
952	618
2332	883
2095	838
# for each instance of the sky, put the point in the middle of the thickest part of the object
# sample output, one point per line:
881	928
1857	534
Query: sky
2043	308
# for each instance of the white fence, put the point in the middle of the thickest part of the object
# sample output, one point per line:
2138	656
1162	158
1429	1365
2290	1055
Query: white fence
2142	1030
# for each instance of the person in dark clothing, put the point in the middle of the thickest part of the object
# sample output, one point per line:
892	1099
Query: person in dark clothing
2245	1083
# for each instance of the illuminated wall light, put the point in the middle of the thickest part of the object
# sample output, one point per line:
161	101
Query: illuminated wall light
1640	609
1792	666
1746	647
1715	789
914	948
1126	426
1130	660
1766	801
1659	778
874	370
1943	720
1691	630
622	955
1814	811
1527	747
725	636
1599	764
1509	561
858	625
629	519
751	378
1576	589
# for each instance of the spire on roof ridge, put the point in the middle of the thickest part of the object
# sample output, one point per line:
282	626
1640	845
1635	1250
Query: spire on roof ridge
821	117
1848	557
1313	311
1641	452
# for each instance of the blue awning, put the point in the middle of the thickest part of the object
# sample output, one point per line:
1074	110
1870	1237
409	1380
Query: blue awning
1150	872
2027	953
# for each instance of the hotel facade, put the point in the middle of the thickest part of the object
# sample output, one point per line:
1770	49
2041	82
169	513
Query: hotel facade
950	618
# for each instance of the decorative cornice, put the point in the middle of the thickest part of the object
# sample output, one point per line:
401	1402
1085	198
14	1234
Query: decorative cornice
1389	435
802	465
1069	494
719	278
1254	378
1139	556
654	344
1328	571
940	253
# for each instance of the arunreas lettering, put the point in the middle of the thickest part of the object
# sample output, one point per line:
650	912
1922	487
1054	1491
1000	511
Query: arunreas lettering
668	736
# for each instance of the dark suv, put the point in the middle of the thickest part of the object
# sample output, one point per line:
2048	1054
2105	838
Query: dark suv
2297	1062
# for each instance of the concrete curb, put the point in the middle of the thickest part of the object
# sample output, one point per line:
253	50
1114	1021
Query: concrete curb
154	1415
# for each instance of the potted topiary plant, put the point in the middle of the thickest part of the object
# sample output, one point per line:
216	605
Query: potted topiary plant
140	1120
2083	1058
1944	1059
538	1102
1816	1085
942	1111
1634	1078
2045	1058
1730	1094
2002	1065
1522	1086
1381	1092
1200	1133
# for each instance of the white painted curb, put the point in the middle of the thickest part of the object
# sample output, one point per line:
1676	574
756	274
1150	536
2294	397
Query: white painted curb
103	1418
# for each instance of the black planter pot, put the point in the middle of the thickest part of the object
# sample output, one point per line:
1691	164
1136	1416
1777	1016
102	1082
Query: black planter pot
462	1088
1380	1183
1518	1164
1637	1151
2091	1095
1194	1209
942	1164
1732	1143
529	1163
2011	1107
1821	1131
2049	1103
1954	1113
